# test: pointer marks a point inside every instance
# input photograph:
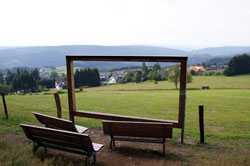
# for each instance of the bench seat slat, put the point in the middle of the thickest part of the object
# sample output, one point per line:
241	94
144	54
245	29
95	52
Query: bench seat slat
137	129
58	143
58	123
97	147
81	129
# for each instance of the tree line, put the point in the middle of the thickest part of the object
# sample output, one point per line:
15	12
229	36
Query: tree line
172	75
87	77
28	81
143	75
239	64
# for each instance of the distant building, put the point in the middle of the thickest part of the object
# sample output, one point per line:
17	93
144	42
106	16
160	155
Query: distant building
112	80
213	67
60	83
196	68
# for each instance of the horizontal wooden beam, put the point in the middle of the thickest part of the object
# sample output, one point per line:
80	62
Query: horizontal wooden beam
104	116
127	58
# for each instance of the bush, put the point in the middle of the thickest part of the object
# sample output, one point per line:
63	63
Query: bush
6	89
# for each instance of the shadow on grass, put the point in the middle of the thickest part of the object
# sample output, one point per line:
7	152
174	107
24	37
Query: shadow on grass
62	158
148	153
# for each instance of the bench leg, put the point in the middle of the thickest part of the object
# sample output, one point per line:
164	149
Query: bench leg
87	161
112	142
45	150
163	146
94	155
35	147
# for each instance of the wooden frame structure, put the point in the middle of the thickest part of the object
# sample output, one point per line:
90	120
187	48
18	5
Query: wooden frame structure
182	94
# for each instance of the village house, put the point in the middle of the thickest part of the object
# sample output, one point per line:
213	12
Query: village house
60	83
196	68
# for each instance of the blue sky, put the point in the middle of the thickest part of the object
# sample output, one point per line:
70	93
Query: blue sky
175	23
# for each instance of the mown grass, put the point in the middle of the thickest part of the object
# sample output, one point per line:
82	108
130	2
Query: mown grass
227	110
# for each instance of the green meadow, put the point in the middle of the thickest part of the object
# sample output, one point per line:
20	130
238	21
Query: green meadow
226	116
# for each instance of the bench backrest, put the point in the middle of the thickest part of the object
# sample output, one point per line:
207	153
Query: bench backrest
57	137
54	122
137	129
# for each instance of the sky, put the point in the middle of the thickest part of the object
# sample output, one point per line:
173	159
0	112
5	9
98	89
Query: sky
173	23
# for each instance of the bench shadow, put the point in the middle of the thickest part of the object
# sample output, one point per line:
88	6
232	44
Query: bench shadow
148	153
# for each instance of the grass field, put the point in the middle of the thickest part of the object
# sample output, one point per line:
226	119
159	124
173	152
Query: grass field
227	112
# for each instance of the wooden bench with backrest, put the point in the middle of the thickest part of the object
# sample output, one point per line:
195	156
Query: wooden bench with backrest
57	123
62	140
124	130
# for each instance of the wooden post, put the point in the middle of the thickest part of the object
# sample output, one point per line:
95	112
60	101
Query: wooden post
182	98
201	122
71	88
5	106
58	105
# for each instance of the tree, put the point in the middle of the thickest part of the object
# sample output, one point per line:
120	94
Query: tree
137	77
144	70
239	64
174	75
35	74
53	75
156	67
154	75
47	83
87	77
10	77
192	72
128	77
1	78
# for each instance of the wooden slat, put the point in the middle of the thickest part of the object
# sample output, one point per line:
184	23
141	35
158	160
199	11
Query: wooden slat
137	129
114	117
71	88
58	137
183	78
55	136
54	122
127	58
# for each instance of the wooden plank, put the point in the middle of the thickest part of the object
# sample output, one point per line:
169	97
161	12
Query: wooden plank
114	117
71	88
137	129
183	78
54	122
58	105
58	137
127	58
182	102
5	107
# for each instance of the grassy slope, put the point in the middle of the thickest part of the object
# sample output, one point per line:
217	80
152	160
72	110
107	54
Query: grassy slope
227	107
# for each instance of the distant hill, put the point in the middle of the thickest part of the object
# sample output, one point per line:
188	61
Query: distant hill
219	60
55	55
227	50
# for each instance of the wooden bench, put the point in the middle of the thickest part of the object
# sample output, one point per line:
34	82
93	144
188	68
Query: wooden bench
57	123
62	140
123	130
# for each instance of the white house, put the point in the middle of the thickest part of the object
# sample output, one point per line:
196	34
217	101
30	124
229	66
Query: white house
112	80
60	83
